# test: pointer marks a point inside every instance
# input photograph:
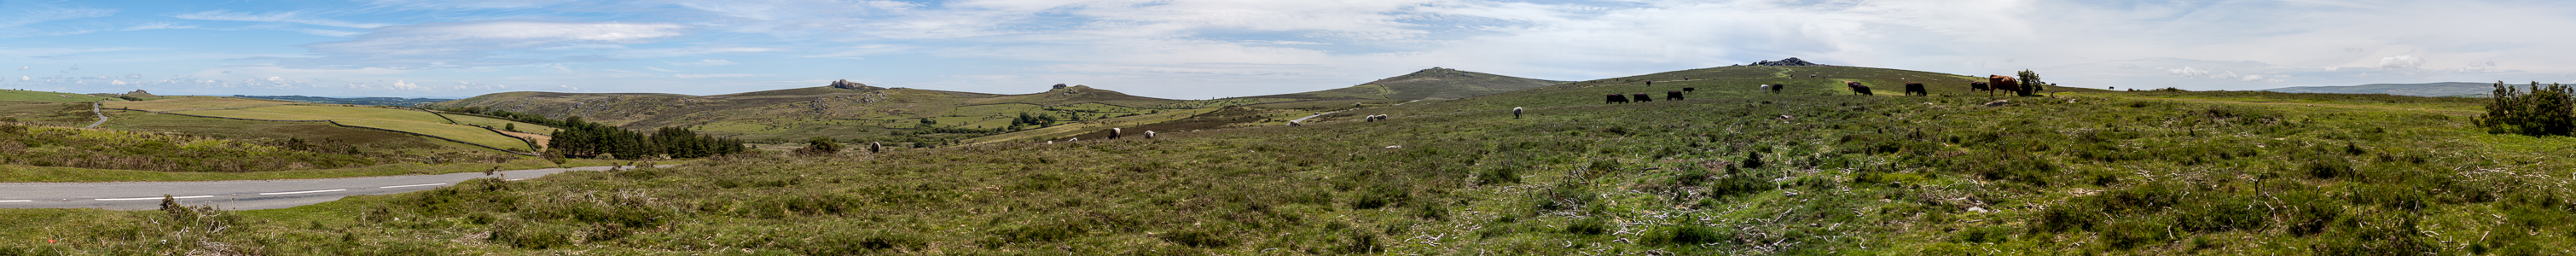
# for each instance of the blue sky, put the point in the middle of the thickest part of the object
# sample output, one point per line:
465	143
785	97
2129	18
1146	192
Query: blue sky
1193	49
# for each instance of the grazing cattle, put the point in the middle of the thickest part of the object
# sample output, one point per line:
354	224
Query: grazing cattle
1641	97
1765	87
1650	83
1916	89
1776	87
1856	88
1687	89
1516	112
874	147
1672	95
2004	83
1978	86
1113	133
1294	123
1615	98
1149	135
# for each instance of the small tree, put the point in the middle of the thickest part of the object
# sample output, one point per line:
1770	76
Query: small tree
820	146
512	127
2544	110
2030	82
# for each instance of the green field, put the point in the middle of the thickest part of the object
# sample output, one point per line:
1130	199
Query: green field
194	103
498	123
1813	170
386	118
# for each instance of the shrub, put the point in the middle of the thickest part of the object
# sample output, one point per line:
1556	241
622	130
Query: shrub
836	242
2544	110
820	146
1380	197
1588	226
531	236
2130	233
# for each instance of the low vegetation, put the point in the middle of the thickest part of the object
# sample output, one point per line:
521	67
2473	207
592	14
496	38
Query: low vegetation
1731	171
47	146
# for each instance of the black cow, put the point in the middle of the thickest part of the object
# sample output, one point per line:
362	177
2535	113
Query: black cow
1857	88
1641	97
1650	83
1686	89
1615	98
1776	87
1672	95
1979	86
1916	89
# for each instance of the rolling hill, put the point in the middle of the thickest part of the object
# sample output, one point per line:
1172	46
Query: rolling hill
857	112
2449	89
847	111
1427	84
22	95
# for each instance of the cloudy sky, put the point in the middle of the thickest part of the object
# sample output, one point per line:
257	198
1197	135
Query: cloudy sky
1193	49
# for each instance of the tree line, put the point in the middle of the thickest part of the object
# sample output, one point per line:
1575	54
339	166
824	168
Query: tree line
589	140
584	139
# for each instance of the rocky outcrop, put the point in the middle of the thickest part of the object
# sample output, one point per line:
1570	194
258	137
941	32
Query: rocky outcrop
847	84
1786	62
1057	86
140	93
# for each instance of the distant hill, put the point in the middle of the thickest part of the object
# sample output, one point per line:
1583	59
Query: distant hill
23	95
379	101
842	110
1427	84
2450	89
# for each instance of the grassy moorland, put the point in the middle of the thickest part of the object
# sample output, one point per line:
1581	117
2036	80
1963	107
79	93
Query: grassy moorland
1812	170
19	95
144	146
396	119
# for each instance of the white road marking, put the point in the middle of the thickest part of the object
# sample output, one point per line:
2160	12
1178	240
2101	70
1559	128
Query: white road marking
14	201
149	198
433	184
301	192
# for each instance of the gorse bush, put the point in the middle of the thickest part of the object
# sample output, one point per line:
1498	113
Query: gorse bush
2540	110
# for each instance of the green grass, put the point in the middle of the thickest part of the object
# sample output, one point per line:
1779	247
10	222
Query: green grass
195	103
386	118
22	173
1812	171
17	95
498	123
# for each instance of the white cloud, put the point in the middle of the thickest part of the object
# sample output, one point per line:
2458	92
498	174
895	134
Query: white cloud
329	33
2401	62
158	25
707	62
473	44
23	15
288	17
717	75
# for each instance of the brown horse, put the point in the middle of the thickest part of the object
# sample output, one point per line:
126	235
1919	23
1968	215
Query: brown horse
2002	83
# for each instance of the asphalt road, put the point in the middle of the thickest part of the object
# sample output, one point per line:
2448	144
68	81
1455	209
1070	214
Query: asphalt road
235	194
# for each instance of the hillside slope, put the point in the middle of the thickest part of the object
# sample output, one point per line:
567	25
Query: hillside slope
846	111
1427	84
2450	89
